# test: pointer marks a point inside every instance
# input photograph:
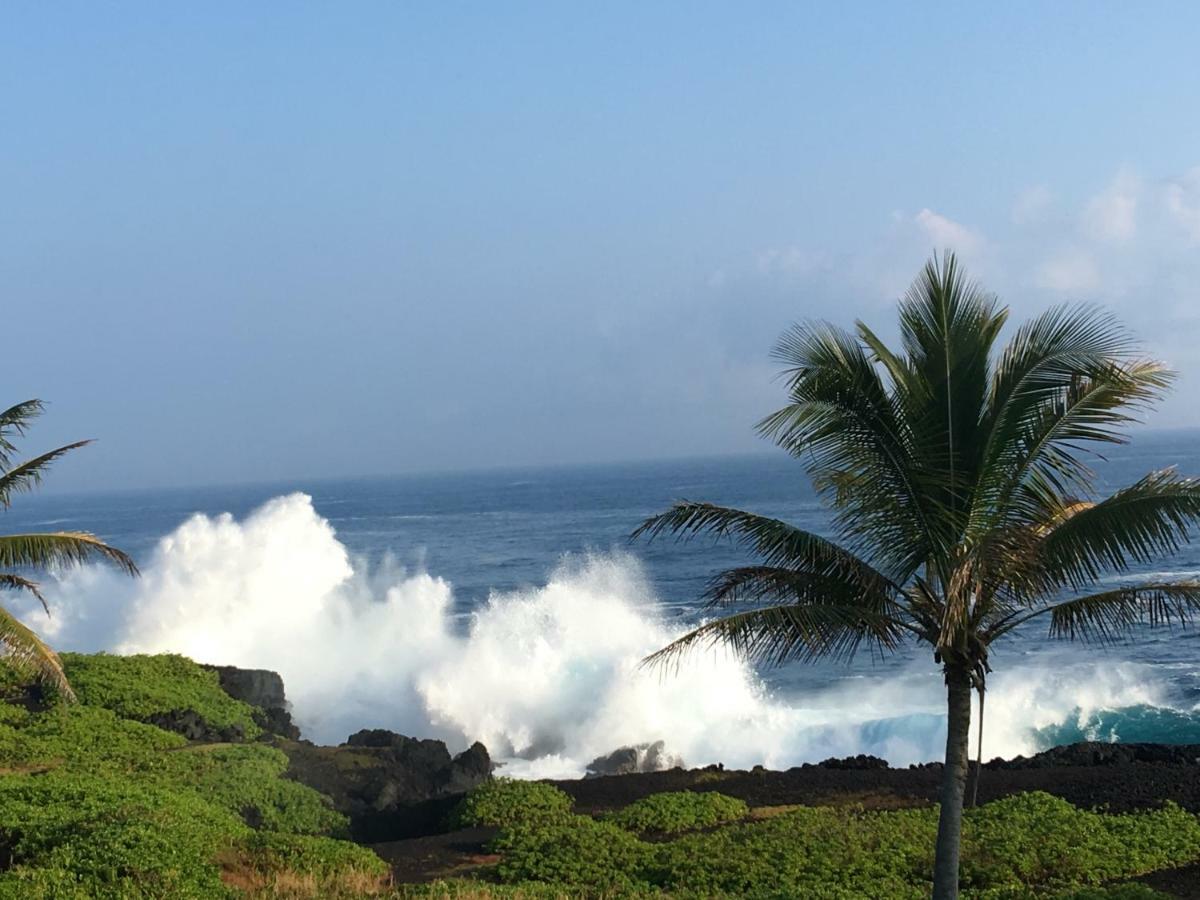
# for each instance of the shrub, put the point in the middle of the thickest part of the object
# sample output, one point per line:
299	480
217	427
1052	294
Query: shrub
808	852
505	802
1038	840
571	850
673	812
108	838
139	687
96	805
287	865
86	738
1026	845
1116	892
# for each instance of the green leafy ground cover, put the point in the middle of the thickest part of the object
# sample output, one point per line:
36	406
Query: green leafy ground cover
96	804
677	811
1023	846
139	687
503	802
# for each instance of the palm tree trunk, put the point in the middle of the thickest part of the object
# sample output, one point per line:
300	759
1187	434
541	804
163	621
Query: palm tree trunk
954	783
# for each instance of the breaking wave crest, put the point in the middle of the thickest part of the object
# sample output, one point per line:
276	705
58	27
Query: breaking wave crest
548	678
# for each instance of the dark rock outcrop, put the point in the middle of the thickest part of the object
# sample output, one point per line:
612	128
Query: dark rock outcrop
262	689
389	785
630	760
859	763
1097	753
192	726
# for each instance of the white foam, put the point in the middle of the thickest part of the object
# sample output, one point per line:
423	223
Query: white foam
547	677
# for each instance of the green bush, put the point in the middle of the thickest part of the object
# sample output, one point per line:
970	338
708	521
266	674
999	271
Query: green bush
505	802
1039	840
1116	892
96	805
312	855
1026	845
110	838
808	852
85	738
673	812
571	850
138	687
248	779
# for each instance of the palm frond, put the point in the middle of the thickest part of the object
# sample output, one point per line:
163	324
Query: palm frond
1042	361
1110	615
842	422
948	326
28	475
1039	437
757	583
1092	410
25	652
14	422
777	635
1151	518
776	543
61	548
17	583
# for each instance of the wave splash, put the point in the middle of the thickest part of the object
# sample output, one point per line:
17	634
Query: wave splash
548	678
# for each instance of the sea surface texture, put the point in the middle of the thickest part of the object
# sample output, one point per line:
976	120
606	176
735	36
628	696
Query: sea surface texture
510	607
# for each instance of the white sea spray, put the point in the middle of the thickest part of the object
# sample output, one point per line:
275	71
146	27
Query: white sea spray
548	677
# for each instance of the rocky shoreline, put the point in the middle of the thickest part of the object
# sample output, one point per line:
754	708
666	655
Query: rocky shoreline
397	791
394	787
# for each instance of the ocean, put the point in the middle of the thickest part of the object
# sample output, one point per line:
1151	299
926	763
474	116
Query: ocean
510	607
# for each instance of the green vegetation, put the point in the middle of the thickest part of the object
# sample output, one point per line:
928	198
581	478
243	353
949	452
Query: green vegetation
963	500
677	811
95	804
141	687
466	889
24	651
504	802
1026	845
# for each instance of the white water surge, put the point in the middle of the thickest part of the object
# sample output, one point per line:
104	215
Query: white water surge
547	678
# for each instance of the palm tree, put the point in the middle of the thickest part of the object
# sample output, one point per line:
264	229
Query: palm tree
962	498
23	650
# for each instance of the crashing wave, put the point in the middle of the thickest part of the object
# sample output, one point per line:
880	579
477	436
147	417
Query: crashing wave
547	677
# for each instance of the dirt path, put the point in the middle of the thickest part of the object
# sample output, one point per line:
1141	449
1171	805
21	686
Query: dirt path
424	859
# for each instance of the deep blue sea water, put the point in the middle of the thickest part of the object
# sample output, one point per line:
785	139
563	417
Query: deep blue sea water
504	535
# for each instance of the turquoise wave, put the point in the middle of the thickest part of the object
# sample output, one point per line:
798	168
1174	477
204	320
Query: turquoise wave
1129	724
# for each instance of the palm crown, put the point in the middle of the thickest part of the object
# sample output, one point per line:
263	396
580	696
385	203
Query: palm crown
961	491
21	553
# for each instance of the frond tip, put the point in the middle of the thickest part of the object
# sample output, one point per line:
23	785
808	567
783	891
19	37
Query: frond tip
777	635
25	652
61	548
1109	615
18	583
776	543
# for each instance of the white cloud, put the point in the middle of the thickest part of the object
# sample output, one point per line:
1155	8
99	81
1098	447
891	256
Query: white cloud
946	234
1182	199
1068	272
1031	205
1112	214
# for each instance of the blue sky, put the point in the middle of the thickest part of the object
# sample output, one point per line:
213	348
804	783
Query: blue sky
261	241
